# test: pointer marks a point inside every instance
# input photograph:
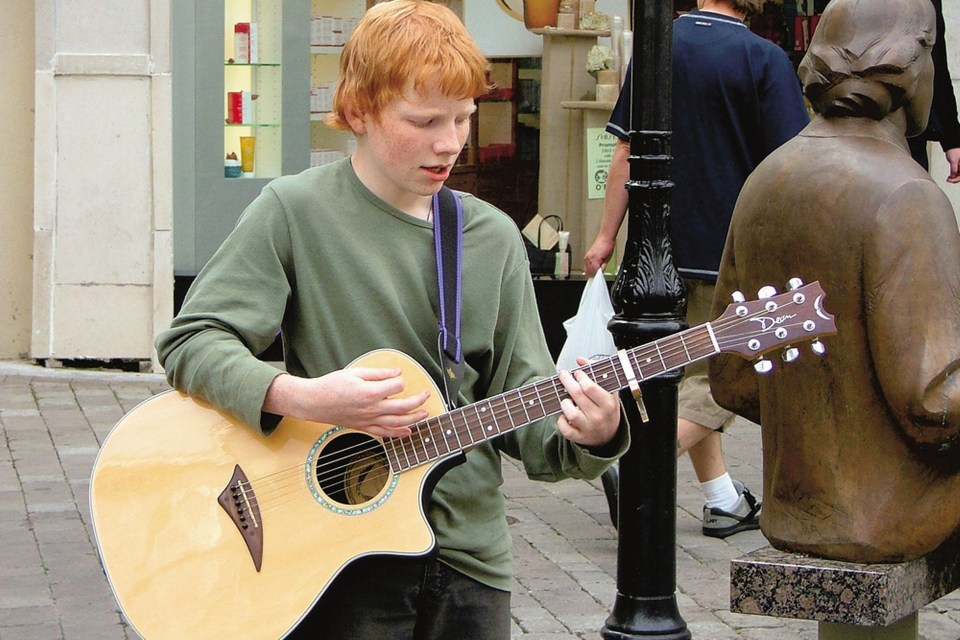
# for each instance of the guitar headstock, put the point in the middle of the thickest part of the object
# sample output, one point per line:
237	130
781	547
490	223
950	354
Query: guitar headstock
754	328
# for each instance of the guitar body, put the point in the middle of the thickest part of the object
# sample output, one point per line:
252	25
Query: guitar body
194	550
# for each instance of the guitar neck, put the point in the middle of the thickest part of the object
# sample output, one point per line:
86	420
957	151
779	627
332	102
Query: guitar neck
441	436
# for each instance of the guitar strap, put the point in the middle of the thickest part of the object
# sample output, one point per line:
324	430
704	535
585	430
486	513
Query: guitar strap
448	241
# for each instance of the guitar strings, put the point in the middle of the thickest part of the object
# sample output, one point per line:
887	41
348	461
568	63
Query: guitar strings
510	404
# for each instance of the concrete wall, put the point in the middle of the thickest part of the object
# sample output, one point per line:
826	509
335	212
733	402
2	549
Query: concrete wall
16	178
102	280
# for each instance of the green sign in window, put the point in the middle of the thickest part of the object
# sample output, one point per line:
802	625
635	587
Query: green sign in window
600	146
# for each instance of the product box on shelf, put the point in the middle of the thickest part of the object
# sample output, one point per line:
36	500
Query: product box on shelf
241	107
245	50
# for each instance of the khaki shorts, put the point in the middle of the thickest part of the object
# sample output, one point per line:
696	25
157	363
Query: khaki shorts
695	402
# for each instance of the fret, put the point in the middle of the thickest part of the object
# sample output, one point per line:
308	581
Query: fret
506	407
494	414
390	446
451	430
432	439
607	376
477	424
663	363
643	367
403	445
417	448
532	403
436	435
464	424
419	445
523	405
552	404
683	343
485	415
540	403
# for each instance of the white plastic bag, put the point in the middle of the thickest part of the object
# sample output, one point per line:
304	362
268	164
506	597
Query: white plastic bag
587	333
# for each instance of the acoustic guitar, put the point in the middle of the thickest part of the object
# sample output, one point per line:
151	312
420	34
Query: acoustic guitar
206	529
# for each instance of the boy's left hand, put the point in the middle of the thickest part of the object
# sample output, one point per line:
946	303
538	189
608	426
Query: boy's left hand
591	415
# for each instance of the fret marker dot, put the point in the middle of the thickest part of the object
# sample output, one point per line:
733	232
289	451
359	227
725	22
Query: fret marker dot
449	431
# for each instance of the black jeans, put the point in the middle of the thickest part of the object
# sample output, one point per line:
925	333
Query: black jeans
386	598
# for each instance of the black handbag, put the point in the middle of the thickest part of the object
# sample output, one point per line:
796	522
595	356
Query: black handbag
544	261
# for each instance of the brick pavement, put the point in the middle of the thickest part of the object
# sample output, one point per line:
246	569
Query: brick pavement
51	585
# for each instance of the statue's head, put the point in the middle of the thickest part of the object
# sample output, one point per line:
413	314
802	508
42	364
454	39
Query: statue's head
869	58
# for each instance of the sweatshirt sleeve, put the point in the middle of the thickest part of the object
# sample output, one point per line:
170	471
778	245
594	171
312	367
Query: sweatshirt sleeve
232	313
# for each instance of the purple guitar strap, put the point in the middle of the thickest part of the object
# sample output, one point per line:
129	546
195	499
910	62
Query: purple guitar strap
448	241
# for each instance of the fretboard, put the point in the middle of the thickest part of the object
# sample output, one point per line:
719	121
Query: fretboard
447	434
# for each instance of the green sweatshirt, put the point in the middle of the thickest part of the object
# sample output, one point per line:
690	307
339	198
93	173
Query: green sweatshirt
342	273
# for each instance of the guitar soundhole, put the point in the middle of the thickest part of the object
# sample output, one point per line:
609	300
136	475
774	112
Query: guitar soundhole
352	469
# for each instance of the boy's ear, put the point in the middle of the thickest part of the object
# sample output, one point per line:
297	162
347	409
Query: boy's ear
356	120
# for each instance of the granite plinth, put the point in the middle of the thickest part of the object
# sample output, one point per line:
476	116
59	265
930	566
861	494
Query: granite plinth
774	583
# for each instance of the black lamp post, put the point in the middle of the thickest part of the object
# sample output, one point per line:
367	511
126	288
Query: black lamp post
650	303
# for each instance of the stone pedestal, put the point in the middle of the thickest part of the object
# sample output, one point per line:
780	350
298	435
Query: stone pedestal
850	600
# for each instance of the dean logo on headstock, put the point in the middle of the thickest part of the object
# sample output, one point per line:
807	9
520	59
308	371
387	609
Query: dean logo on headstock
752	329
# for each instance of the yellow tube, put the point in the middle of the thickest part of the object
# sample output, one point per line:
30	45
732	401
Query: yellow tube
248	145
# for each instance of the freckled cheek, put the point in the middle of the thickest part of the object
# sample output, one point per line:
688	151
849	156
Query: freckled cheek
405	145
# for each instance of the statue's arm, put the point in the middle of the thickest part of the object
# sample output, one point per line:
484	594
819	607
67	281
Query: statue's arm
911	280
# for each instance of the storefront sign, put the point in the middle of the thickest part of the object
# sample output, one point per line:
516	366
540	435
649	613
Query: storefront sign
600	146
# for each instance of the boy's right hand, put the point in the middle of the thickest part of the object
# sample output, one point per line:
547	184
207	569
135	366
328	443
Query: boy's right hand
361	398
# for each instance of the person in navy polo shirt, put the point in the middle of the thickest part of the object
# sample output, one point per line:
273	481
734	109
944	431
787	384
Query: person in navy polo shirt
736	98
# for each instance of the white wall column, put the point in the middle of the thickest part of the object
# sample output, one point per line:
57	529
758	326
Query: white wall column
16	177
103	275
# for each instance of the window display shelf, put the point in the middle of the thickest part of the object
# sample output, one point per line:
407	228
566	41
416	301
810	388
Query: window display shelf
207	135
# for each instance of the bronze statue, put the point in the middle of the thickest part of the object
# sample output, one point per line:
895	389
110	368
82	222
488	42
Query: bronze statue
861	459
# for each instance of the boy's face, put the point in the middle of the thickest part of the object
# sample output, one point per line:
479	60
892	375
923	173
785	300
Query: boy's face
407	153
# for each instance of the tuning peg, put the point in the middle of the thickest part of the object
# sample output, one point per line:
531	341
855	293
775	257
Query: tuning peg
766	292
763	366
818	347
738	297
790	354
794	283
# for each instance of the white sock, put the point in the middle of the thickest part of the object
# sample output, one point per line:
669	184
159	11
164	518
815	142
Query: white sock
720	493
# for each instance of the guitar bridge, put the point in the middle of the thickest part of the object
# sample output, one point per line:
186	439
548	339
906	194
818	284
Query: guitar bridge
240	503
